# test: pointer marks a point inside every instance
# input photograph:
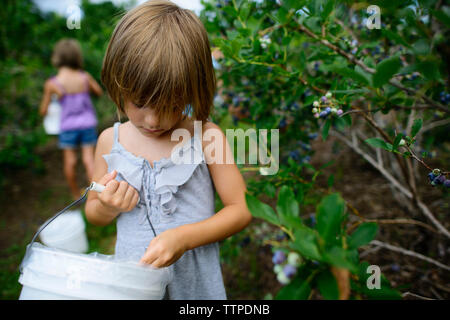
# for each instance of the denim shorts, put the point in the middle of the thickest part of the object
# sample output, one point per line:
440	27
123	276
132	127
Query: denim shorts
73	138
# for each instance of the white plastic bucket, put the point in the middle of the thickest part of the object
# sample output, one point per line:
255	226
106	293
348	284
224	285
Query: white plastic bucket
66	232
53	274
53	117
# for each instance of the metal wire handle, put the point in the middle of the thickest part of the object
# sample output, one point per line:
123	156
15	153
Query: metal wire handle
93	186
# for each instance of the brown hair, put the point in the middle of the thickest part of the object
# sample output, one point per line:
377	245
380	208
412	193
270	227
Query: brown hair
159	57
67	52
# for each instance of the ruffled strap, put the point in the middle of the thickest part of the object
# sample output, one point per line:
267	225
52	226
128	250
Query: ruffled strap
129	171
172	174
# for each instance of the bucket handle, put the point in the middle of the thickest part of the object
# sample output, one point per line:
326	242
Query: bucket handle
93	186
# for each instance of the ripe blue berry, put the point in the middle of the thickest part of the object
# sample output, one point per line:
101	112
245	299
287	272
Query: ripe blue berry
395	267
328	109
438	180
279	257
431	176
323	114
294	155
289	271
447	183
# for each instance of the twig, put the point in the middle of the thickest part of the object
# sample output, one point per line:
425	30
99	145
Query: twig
398	221
409	253
434	124
415	296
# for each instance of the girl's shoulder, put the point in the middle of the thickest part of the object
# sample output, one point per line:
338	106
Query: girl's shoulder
105	141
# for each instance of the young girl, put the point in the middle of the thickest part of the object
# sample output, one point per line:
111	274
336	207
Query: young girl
157	62
78	119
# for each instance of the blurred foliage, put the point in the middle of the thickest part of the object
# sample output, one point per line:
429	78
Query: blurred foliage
27	37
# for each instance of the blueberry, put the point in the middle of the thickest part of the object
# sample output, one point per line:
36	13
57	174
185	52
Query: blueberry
323	99
316	66
312	136
295	155
245	242
312	219
279	257
431	176
447	183
289	271
438	180
236	101
395	267
328	109
282	123
323	114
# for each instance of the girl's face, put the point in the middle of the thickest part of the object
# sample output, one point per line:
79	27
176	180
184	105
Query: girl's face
145	119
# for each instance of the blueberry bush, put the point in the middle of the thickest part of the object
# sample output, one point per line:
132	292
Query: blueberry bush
372	75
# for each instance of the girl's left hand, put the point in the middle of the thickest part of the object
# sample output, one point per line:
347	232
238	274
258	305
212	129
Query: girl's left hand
164	249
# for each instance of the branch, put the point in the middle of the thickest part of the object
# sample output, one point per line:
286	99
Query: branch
409	253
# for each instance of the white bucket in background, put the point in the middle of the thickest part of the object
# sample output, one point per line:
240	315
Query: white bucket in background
53	117
66	232
53	274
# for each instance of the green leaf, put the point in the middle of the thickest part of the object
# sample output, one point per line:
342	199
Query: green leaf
338	257
298	289
287	206
261	210
397	140
306	243
379	143
326	129
442	16
362	235
349	73
330	213
385	70
429	69
327	285
416	127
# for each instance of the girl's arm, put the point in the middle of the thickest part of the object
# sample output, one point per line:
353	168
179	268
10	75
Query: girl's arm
48	90
94	86
230	186
101	209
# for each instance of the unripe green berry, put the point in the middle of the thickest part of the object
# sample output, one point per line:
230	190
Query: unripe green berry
281	277
436	172
328	95
294	259
278	268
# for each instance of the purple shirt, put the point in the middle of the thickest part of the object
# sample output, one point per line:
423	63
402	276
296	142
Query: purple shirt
77	109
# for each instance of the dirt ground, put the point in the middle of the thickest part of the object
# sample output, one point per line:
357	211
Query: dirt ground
31	198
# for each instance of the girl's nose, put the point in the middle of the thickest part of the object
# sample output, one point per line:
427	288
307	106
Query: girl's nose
151	122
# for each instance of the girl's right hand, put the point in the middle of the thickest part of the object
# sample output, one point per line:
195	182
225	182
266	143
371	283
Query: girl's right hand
117	196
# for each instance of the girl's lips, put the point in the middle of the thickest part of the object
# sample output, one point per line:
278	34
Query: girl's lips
153	130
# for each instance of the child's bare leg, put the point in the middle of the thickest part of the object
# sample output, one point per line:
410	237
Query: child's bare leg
70	161
87	155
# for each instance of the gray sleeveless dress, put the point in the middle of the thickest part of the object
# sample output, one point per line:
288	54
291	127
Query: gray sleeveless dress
172	194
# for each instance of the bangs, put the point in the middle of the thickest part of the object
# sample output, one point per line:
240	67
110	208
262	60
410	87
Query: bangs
159	57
